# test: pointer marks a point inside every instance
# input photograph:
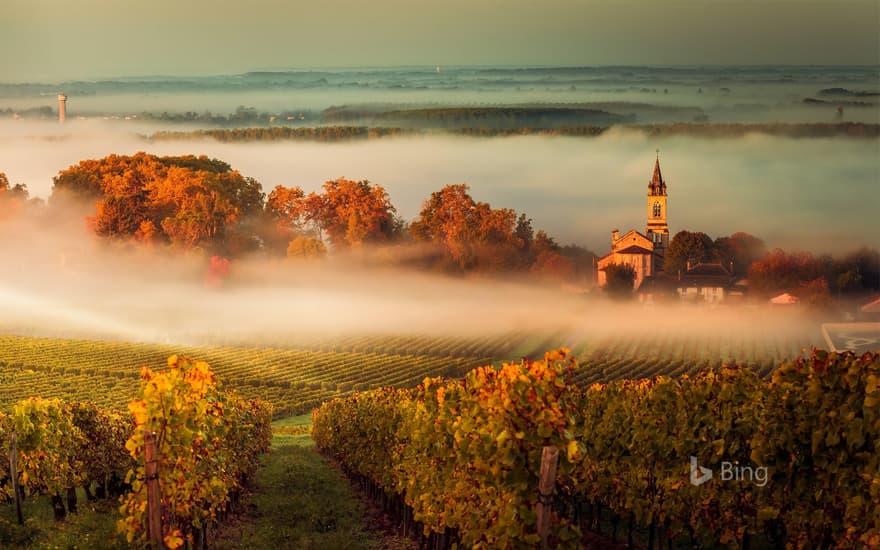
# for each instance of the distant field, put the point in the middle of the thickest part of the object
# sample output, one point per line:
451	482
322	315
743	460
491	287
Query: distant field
296	376
293	380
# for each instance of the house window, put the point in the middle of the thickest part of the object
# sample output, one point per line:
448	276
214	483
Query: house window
656	209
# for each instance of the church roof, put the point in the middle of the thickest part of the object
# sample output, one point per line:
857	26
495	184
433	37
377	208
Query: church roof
657	186
634	249
707	275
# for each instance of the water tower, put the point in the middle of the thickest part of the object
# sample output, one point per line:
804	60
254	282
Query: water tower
62	108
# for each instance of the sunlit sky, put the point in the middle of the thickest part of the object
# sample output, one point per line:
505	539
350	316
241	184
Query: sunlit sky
52	40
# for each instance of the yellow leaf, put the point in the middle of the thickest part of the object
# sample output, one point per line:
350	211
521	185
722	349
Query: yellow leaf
173	540
573	451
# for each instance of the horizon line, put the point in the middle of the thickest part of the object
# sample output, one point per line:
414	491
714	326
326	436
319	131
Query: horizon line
318	68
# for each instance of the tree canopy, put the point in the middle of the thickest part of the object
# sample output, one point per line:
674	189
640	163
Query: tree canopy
470	232
192	202
351	213
185	201
619	281
693	246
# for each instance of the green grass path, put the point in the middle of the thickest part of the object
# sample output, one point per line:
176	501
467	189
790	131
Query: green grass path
300	500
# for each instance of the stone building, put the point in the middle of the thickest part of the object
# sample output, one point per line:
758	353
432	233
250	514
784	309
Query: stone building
644	252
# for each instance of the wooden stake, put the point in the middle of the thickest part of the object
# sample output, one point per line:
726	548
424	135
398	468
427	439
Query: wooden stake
546	484
13	473
154	499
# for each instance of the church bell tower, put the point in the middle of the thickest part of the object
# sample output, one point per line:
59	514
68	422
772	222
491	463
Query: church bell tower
657	230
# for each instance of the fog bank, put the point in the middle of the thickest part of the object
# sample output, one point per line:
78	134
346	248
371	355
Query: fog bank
812	194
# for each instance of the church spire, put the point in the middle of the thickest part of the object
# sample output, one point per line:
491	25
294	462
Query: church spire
657	186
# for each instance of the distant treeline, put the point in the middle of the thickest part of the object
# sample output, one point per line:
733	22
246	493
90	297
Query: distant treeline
511	117
344	133
845	92
795	130
285	133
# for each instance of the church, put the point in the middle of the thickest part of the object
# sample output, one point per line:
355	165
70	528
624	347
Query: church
644	252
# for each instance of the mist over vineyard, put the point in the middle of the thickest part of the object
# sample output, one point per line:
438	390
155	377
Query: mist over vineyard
61	282
439	275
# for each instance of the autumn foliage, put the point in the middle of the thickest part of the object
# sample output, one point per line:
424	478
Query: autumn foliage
350	213
13	198
197	203
208	444
465	455
182	201
474	236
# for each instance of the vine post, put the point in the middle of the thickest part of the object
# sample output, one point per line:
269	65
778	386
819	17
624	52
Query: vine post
154	500
13	473
546	484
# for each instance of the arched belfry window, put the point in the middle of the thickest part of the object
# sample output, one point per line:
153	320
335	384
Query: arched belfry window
657	209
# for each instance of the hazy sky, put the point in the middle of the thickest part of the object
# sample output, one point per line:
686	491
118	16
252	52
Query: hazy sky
50	40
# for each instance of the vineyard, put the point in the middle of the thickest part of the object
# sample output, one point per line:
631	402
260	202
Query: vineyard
625	417
177	460
107	373
459	461
297	375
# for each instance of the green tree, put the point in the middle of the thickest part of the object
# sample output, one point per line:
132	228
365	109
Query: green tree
619	280
693	246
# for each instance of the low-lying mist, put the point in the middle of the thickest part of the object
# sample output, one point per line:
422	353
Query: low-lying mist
722	93
811	194
58	280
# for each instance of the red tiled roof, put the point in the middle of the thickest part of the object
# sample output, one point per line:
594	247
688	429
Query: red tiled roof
635	249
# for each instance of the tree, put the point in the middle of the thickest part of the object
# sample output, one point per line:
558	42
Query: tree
524	231
552	266
741	249
619	281
865	262
306	248
448	218
354	212
473	234
814	293
286	205
187	201
12	199
779	271
582	261
693	246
